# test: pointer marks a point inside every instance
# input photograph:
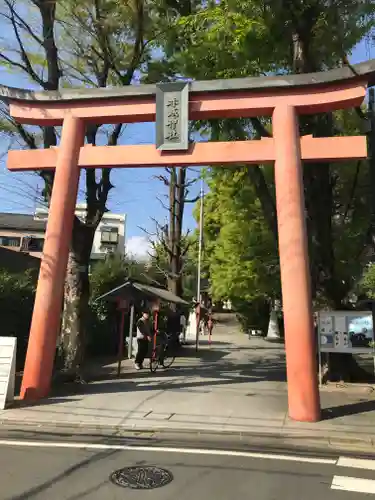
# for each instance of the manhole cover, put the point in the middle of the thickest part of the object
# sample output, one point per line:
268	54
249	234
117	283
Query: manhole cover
146	477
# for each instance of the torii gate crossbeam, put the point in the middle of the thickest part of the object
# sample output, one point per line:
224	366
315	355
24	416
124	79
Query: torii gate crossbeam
282	97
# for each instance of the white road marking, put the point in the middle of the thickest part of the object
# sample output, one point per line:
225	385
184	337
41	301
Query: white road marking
354	484
158	449
356	463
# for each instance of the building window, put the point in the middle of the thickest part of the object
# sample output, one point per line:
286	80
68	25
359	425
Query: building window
109	236
10	241
32	244
36	245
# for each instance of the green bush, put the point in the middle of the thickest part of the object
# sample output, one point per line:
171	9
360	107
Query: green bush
253	314
17	294
367	284
103	317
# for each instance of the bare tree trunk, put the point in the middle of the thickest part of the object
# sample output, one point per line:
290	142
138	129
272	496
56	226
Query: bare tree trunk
177	200
172	238
73	338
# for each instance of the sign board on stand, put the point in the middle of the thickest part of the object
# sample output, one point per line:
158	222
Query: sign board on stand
7	369
345	332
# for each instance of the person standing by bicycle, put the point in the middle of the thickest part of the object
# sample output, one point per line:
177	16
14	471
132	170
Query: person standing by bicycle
183	324
144	336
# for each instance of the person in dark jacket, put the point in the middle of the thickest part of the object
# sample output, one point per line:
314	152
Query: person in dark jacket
173	325
144	336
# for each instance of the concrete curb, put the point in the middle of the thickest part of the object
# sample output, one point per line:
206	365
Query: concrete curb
299	440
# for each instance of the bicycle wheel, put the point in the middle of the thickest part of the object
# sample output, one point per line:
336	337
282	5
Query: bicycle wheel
154	362
168	358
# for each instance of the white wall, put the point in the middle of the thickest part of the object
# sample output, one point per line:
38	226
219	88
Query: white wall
109	219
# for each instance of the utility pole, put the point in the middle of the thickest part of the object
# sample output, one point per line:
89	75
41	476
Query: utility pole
36	199
200	244
371	162
199	264
371	154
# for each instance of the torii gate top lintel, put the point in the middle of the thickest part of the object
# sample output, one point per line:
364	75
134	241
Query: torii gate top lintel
364	71
232	98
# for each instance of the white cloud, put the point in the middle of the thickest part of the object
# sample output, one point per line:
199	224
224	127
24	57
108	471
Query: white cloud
138	247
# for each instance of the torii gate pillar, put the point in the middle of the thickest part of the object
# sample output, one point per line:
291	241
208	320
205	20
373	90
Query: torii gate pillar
49	295
303	392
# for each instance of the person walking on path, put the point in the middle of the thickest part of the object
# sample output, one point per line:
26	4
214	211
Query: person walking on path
144	336
182	328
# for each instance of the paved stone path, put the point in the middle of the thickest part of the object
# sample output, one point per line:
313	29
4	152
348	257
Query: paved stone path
236	385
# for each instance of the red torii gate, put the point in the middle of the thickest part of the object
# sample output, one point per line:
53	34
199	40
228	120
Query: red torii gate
283	98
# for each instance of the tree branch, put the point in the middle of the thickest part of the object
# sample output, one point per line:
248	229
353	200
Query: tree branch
352	191
150	235
261	188
160	269
14	63
21	22
24	57
347	63
116	132
192	200
162	178
138	45
162	203
259	128
28	138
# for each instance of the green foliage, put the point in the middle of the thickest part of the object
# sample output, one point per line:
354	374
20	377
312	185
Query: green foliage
252	315
112	272
367	284
159	265
105	40
239	250
103	318
255	37
350	216
190	270
17	292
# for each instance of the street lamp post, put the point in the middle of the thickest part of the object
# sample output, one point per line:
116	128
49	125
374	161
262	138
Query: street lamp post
198	316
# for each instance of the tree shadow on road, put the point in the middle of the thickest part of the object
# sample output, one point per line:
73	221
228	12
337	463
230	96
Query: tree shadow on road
210	369
35	491
348	409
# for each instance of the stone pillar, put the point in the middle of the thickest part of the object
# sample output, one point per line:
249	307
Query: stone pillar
273	332
303	392
45	325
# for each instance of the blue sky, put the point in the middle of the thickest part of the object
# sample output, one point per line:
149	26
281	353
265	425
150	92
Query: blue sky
136	189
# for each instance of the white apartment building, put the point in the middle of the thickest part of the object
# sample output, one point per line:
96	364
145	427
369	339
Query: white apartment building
109	235
23	232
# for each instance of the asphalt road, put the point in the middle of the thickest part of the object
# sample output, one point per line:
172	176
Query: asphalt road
68	470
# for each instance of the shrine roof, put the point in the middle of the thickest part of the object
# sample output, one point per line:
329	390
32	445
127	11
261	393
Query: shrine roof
136	290
357	72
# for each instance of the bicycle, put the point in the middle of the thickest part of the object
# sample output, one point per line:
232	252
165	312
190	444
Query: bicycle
162	355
